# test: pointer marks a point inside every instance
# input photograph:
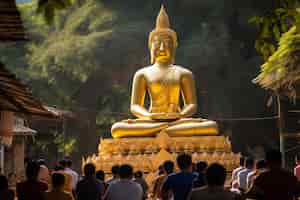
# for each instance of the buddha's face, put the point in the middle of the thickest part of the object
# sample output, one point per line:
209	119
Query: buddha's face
162	49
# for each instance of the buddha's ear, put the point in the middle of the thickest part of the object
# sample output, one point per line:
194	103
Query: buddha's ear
152	59
173	56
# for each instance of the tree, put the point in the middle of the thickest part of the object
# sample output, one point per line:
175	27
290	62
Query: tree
280	49
275	22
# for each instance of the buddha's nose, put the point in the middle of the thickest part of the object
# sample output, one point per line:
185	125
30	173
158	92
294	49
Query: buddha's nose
162	46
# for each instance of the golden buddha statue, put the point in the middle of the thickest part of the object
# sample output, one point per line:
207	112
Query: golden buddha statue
165	83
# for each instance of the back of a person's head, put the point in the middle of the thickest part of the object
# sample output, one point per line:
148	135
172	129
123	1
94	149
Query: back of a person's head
58	167
160	169
168	166
184	161
126	171
261	164
242	161
216	175
273	157
58	180
63	163
3	183
69	163
100	175
297	158
32	170
89	169
201	166
115	170
138	174
41	161
249	163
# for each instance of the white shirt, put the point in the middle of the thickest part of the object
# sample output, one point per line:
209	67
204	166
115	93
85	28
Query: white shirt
250	179
74	176
235	173
124	190
242	178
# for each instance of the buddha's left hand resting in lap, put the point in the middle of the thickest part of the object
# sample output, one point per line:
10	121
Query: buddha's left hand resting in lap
165	84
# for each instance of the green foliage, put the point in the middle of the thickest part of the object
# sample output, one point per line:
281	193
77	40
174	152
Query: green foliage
48	8
59	57
113	107
282	69
273	24
65	146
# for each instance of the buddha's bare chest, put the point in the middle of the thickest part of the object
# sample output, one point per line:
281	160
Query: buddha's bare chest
162	84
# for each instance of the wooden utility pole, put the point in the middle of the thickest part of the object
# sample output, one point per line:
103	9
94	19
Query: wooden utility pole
280	128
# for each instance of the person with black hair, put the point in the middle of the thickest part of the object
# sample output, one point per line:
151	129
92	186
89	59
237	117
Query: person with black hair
100	175
200	181
125	188
260	167
167	168
68	169
57	192
276	182
138	177
31	188
115	174
44	174
242	175
179	184
60	168
215	176
5	192
89	188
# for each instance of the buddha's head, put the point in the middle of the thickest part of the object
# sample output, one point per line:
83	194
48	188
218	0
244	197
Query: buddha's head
162	40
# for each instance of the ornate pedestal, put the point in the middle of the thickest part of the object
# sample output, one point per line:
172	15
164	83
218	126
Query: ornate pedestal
148	153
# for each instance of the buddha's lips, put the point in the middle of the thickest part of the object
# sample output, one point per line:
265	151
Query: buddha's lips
163	55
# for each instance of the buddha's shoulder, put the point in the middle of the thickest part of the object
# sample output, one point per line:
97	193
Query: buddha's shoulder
143	71
183	70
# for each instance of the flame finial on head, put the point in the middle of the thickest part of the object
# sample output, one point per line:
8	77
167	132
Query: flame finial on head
163	27
162	20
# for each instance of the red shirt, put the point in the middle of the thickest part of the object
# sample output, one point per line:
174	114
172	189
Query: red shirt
297	172
278	184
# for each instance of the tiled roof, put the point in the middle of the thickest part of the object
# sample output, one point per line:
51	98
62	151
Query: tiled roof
15	96
11	27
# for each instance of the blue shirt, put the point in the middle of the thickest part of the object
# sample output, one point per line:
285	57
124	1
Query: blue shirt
180	184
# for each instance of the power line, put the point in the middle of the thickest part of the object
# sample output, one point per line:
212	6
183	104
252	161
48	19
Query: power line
247	118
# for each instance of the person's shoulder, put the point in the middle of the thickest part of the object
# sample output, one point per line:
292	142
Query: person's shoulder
20	184
289	175
172	176
136	184
297	167
198	192
80	182
99	183
138	187
42	185
250	174
74	172
194	175
67	196
243	171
